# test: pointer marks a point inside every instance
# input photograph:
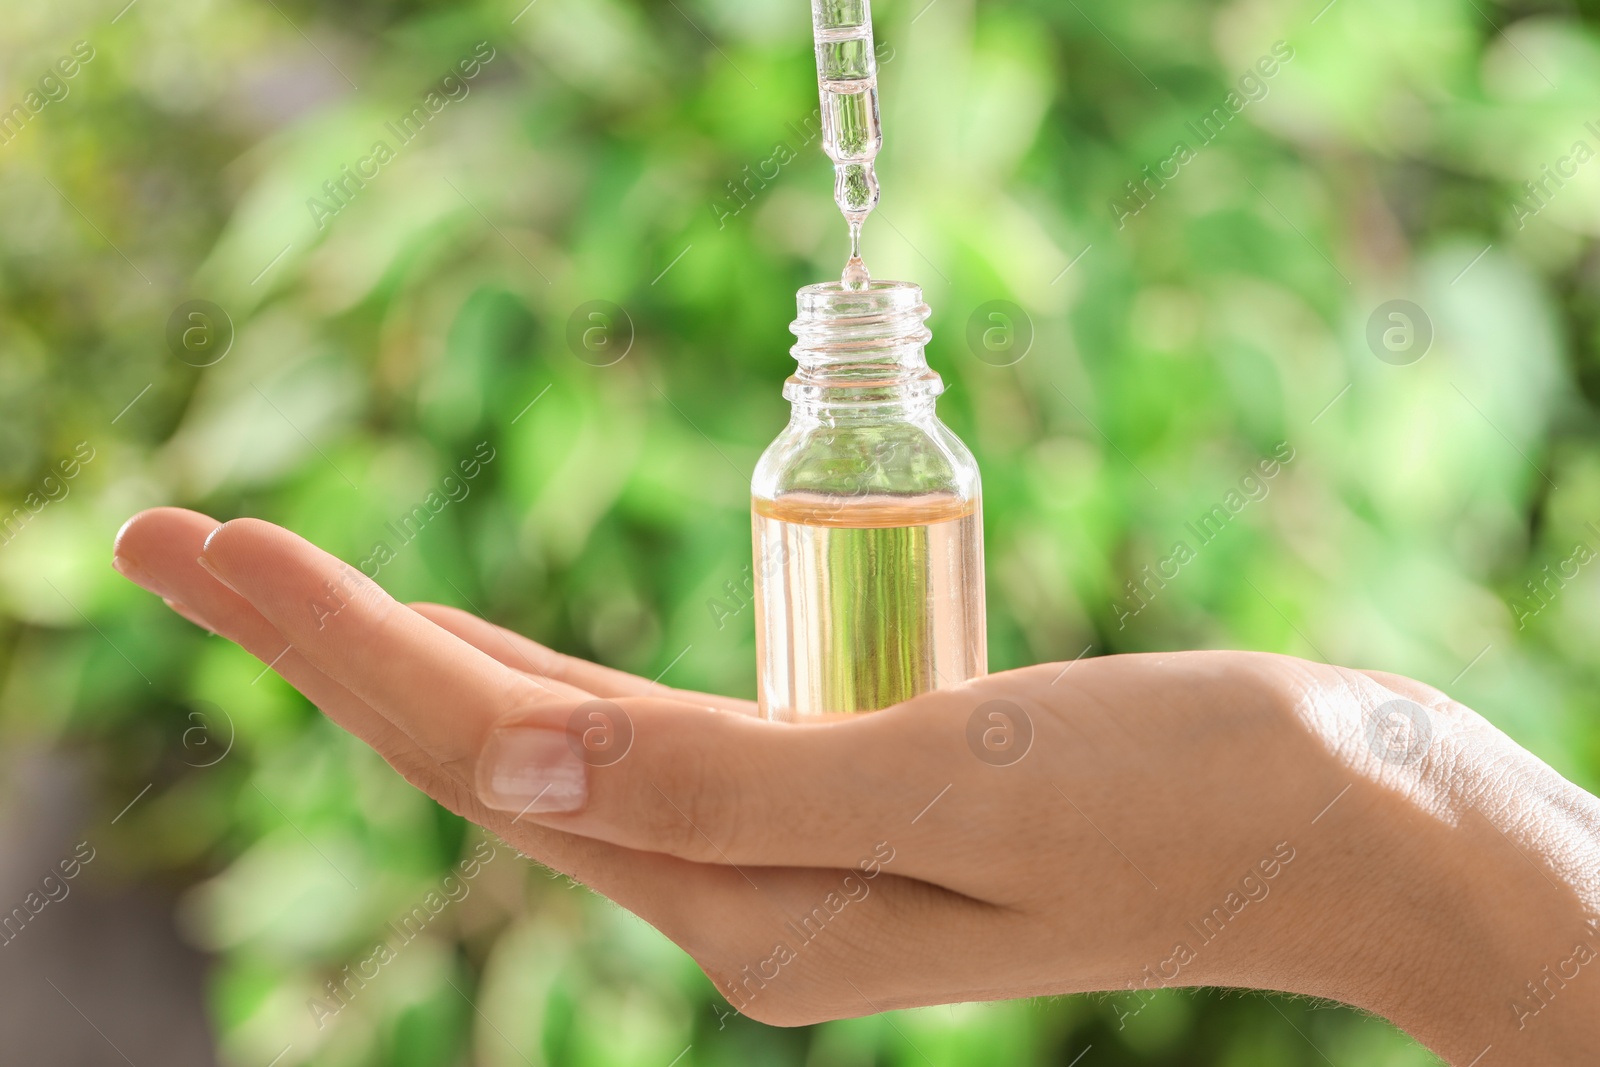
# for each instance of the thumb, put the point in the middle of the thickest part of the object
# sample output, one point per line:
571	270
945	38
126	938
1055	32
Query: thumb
716	786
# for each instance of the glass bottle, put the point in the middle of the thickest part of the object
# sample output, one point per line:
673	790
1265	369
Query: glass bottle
867	521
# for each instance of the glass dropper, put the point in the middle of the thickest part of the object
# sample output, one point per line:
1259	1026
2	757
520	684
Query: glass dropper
852	133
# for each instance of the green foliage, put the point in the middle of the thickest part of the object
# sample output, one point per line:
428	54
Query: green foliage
381	344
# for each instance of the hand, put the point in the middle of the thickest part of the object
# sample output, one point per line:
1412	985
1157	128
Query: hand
1129	822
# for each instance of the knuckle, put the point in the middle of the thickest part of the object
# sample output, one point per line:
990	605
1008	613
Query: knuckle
422	772
344	597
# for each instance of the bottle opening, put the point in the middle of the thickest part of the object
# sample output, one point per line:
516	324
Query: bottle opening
861	346
834	319
878	293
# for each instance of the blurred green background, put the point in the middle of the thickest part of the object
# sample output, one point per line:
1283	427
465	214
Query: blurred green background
246	851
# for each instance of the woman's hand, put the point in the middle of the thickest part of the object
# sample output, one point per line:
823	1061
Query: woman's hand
1130	822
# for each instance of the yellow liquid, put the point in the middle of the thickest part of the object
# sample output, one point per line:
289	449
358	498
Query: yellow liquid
864	602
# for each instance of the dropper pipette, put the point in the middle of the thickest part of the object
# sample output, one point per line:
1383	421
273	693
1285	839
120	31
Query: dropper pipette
847	83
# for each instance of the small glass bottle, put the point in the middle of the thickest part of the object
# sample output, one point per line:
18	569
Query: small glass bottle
867	521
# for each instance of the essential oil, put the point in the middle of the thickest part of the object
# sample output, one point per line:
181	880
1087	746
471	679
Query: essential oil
867	605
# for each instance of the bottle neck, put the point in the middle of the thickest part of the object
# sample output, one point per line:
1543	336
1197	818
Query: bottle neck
860	353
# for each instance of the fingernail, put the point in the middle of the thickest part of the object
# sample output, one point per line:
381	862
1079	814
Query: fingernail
530	771
189	613
136	574
207	566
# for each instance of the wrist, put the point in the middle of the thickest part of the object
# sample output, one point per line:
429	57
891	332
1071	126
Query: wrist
1464	908
1526	903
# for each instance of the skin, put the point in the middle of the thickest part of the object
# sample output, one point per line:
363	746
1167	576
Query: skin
1200	818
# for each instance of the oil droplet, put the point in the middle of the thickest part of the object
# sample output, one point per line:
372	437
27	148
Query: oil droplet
855	277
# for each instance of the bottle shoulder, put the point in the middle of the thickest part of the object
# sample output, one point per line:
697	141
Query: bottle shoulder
918	457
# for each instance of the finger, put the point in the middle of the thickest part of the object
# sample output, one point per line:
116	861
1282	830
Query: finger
524	654
158	549
439	690
719	787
